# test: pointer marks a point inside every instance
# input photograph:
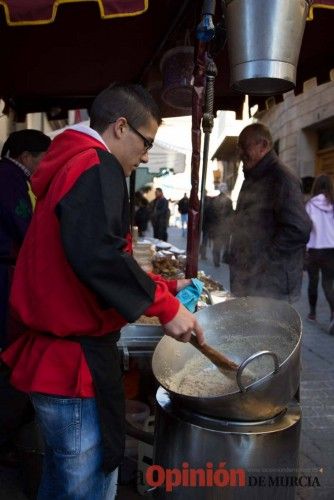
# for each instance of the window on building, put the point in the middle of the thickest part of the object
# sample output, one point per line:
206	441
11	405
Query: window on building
326	138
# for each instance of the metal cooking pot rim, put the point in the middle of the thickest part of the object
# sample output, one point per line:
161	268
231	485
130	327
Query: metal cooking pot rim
252	302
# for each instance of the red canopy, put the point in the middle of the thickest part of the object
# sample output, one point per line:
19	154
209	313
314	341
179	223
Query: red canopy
325	4
63	64
45	11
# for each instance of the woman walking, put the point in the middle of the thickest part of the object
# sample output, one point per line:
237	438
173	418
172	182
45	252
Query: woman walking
321	245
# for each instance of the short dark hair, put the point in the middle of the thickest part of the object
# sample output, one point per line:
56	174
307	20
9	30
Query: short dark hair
30	140
258	131
323	184
131	101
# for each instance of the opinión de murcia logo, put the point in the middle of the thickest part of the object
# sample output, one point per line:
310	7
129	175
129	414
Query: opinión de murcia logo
222	477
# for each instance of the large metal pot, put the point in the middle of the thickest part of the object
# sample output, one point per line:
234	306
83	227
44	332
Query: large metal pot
254	332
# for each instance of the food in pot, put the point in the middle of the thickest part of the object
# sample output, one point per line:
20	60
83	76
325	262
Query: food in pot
200	378
195	381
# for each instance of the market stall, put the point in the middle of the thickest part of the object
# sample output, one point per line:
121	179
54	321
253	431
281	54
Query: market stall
82	40
68	52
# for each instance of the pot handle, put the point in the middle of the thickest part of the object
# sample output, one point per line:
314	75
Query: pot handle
249	360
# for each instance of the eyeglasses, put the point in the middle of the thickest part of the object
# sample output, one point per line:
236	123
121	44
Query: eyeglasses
148	144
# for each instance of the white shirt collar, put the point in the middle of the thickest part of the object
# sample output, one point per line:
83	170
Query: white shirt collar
84	129
24	169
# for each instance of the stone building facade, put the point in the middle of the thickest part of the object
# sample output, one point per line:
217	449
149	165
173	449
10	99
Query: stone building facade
303	128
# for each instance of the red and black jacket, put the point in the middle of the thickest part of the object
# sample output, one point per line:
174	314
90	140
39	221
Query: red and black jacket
75	274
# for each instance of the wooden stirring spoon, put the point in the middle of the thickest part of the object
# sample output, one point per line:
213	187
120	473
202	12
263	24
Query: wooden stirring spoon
216	357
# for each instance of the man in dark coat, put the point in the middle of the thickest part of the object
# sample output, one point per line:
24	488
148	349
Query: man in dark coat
220	226
270	227
160	216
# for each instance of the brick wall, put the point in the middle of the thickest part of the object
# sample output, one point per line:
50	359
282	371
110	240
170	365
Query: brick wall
295	121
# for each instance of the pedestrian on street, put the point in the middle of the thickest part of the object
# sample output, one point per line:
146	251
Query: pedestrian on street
320	247
183	207
208	221
20	156
307	183
76	285
142	213
160	215
270	226
219	230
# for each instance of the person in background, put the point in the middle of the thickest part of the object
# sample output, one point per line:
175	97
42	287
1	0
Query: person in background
320	247
20	156
142	213
220	227
208	221
76	285
183	207
270	224
160	215
307	183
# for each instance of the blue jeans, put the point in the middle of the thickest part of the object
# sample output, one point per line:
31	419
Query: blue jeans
72	468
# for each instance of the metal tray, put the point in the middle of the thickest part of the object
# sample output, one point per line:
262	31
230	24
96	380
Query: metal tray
138	341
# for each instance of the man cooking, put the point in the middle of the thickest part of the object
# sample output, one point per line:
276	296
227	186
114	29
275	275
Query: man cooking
76	284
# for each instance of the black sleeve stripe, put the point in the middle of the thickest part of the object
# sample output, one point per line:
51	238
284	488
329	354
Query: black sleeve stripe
94	219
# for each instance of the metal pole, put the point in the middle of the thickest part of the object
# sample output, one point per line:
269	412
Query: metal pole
207	125
194	206
204	75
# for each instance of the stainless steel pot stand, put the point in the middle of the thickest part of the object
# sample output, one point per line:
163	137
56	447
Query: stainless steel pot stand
261	458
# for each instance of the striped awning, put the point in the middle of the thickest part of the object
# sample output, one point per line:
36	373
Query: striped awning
31	12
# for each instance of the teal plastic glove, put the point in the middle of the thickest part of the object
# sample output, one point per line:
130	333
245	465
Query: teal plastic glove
189	295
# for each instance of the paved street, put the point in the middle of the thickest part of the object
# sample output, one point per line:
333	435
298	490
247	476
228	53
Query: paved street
317	382
317	397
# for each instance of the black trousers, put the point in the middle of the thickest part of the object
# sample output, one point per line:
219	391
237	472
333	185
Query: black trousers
321	260
160	231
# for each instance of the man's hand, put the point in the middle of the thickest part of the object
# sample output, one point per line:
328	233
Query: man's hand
182	284
182	326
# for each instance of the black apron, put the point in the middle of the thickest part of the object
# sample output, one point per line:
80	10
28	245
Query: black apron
103	359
